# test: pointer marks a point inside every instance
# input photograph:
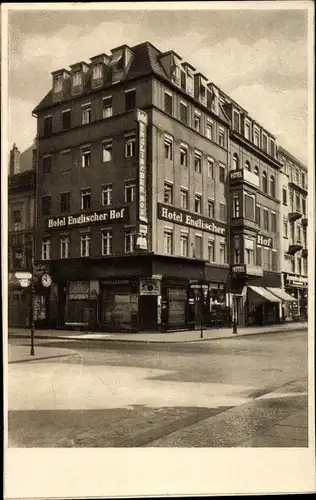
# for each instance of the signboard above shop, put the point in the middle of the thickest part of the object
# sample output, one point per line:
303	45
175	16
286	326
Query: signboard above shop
109	215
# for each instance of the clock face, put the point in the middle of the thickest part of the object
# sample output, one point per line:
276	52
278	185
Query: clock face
46	280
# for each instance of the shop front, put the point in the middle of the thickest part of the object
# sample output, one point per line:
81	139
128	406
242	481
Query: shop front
119	304
297	287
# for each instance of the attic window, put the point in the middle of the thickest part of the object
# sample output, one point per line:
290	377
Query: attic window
97	72
77	79
176	74
58	83
117	62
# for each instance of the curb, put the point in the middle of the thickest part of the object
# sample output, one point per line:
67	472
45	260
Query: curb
74	338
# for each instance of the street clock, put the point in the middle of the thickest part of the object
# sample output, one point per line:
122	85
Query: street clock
46	280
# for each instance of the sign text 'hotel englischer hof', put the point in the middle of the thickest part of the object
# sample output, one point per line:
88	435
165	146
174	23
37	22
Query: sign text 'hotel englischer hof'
195	221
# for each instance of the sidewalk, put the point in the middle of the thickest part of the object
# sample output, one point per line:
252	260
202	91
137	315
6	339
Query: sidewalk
21	353
149	337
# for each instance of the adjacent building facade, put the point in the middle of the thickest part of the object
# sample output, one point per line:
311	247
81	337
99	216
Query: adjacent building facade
151	182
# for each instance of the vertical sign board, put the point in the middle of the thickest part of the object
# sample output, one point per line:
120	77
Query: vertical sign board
142	119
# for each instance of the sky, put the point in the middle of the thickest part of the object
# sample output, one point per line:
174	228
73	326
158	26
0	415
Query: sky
258	57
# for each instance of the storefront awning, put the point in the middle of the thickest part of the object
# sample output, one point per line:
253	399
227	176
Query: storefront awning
264	293
285	297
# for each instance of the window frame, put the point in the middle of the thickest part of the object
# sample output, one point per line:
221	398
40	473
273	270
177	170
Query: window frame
85	244
130	146
83	193
86	113
168	188
107	195
106	237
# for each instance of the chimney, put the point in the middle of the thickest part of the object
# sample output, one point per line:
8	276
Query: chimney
14	160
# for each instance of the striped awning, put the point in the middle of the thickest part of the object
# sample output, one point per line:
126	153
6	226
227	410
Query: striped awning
264	293
285	297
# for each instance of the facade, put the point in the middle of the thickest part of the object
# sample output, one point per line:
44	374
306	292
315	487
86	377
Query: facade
293	228
140	208
21	206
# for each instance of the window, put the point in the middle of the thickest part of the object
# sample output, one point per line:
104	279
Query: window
45	249
184	244
198	162
176	75
97	72
236	256
184	198
47	164
292	232
298	202
256	170
272	186
85	199
66	119
197	204
299	234
256	137
107	109
247	130
209	129
264	182
77	79
259	256
58	84
106	242
168	241
222	252
64	202
293	264
168	103
303	180
210	168
17	220
85	245
258	215
285	228
273	222
130	240
168	193
266	219
304	206
85	157
304	266
266	257
236	206
272	148
107	195
86	114
222	174
247	166
297	176
249	251
221	137
130	146
46	205
107	149
249	206
235	162
222	212
190	84
130	192
197	122
299	265
183	80
291	201
48	126
198	247
130	99
236	121
168	145
184	156
183	113
264	142
210	209
304	237
64	247
284	196
211	250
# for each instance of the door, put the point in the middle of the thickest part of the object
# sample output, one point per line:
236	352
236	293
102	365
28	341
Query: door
147	312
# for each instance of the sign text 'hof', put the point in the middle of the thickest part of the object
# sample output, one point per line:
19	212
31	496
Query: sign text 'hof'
106	216
142	188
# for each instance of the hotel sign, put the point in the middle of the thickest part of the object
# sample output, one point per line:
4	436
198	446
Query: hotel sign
265	241
142	119
84	219
178	216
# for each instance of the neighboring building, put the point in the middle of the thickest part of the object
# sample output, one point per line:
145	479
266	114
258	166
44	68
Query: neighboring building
134	190
293	229
21	205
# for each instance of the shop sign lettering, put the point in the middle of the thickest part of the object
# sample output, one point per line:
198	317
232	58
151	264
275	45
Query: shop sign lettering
265	241
115	282
192	220
82	219
142	188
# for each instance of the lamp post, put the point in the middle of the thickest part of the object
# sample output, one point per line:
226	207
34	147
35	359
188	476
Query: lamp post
32	298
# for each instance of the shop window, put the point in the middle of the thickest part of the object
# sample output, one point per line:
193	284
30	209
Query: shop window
184	198
130	146
119	307
107	151
198	162
46	244
183	156
177	305
184	244
64	247
106	242
168	241
168	193
130	240
107	108
39	307
107	195
168	145
85	245
168	105
211	250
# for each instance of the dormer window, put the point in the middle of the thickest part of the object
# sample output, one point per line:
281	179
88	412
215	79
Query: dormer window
247	130
77	79
97	72
176	74
58	83
117	62
190	84
200	88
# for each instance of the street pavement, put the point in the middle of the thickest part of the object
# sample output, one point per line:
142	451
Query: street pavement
248	391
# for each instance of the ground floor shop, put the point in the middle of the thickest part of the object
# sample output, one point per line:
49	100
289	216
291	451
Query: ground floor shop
138	293
297	287
19	307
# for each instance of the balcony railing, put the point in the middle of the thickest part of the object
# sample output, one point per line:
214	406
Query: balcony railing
294	213
243	176
294	247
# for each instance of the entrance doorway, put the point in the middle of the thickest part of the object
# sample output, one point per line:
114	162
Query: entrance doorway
147	312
